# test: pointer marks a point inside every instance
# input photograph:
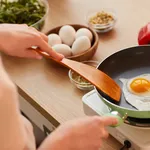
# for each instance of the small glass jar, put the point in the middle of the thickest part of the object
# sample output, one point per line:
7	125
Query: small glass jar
79	81
104	27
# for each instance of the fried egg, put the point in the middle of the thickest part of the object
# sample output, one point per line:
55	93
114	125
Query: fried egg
137	91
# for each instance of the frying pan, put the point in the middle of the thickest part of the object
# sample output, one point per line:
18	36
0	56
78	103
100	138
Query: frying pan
126	63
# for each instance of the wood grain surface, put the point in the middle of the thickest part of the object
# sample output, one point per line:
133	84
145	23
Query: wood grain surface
47	86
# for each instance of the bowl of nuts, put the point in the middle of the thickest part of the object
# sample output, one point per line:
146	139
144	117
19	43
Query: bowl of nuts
79	81
102	20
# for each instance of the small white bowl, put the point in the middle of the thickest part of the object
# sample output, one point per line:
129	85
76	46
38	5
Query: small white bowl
101	28
82	85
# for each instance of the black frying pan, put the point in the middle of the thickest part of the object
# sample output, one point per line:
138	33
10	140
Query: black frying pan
127	63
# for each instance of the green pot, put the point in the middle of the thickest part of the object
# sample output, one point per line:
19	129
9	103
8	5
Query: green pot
125	111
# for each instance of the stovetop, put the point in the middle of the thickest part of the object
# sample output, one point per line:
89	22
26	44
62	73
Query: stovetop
139	137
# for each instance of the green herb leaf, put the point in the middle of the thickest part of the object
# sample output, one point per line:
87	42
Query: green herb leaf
21	12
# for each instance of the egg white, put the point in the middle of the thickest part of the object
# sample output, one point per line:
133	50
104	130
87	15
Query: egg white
62	49
54	39
141	101
84	32
67	34
80	45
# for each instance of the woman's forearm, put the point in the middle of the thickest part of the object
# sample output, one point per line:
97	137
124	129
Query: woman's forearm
16	132
11	127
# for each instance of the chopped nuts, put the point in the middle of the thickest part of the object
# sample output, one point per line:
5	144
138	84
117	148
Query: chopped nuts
101	18
79	79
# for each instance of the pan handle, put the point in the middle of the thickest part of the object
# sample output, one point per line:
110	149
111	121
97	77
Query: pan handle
118	116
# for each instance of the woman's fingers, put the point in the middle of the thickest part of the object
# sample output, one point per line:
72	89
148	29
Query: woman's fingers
108	121
43	45
40	40
46	48
44	37
29	53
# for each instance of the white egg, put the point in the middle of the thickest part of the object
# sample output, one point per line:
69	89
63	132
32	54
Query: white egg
54	39
67	34
80	45
63	49
139	94
84	32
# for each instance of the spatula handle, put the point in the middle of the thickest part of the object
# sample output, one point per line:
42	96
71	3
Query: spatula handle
44	54
65	62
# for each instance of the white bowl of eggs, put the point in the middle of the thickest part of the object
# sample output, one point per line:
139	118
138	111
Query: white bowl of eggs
76	42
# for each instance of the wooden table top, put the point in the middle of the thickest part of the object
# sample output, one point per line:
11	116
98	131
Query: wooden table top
47	86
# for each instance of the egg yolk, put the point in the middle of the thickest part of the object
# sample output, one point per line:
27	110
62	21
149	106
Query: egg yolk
140	85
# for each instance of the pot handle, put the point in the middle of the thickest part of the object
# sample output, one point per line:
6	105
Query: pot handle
118	116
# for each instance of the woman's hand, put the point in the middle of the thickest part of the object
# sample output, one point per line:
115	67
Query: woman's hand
80	134
17	40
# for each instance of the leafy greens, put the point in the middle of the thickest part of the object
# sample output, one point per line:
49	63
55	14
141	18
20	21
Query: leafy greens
21	11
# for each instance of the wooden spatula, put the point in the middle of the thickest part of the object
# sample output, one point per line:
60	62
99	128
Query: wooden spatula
96	77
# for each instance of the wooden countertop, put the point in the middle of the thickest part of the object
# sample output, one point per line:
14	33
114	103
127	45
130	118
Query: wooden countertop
47	86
